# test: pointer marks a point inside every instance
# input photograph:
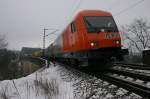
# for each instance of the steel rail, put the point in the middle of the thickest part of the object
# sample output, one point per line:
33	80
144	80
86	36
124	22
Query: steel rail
130	86
131	74
135	66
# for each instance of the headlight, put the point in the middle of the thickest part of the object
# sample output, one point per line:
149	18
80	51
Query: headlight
116	41
94	43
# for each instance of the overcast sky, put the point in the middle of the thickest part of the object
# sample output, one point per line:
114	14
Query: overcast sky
22	21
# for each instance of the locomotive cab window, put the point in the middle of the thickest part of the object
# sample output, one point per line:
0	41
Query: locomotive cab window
73	27
100	24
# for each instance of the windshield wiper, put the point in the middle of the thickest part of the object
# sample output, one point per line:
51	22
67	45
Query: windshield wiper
91	26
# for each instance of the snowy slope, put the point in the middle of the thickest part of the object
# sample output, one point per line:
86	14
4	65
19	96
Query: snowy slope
43	84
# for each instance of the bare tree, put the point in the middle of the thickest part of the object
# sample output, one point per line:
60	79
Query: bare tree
3	43
137	35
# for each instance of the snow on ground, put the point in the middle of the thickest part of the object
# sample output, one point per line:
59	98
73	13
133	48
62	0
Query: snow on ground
58	82
43	84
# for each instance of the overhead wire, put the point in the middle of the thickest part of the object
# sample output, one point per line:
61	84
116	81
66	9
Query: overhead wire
130	7
72	11
114	4
75	9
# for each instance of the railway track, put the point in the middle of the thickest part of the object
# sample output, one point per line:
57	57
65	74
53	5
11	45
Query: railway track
130	86
131	74
134	66
113	77
120	78
140	83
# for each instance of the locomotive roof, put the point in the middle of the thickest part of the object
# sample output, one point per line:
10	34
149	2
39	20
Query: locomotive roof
94	13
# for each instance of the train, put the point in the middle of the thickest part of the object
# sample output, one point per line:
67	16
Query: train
38	54
91	40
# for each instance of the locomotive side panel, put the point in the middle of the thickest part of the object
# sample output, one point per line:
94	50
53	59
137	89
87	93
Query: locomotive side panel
65	40
73	37
81	34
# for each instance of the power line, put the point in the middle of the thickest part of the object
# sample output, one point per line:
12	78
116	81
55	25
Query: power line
130	7
53	32
75	9
114	4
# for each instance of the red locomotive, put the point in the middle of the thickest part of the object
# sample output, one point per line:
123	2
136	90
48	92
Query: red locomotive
92	39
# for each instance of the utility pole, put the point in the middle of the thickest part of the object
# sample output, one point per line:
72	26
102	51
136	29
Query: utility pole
44	41
44	36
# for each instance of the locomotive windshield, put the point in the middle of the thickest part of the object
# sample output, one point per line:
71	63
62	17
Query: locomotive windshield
100	24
